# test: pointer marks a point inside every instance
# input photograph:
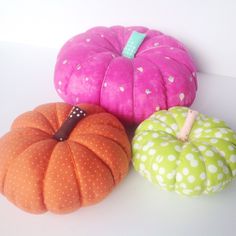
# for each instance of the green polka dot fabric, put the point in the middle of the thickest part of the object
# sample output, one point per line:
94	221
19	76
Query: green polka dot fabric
205	163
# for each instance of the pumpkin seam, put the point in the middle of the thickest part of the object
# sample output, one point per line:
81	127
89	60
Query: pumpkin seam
162	79
108	124
154	118
204	161
133	97
118	40
100	135
103	80
217	150
34	128
75	172
45	119
108	167
180	63
57	120
45	174
114	49
12	162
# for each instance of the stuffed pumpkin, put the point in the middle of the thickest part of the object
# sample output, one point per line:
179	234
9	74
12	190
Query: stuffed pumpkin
184	151
130	71
59	158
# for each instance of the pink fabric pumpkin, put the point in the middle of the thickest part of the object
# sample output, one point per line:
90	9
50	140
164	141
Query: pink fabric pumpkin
92	68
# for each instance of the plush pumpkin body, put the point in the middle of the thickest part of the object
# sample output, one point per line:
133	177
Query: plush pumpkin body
203	163
131	78
40	173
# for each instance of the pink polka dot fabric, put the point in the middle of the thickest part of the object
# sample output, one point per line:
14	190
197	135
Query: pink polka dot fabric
90	68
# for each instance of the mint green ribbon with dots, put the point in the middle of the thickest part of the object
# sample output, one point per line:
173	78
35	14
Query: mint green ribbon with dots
133	44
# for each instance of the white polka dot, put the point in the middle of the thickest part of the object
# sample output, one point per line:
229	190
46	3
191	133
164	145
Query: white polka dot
207	124
105	85
169	130
220	163
159	159
233	158
187	191
212	168
162	118
154	167
199	130
64	62
136	146
139	138
162	170
191	179
182	185
152	152
225	169
190	156
220	176
148	91
122	89
140	69
150	144
178	148
155	135
59	91
174	126
142	166
170	176
164	144
203	175
88	40
156	44
213	140
231	147
185	171
159	178
181	96
194	149
171	79
209	153
194	163
218	134
179	177
60	83
150	127
208	130
143	157
171	157
197	188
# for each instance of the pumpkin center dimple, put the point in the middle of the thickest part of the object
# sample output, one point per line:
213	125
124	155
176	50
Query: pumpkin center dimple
134	42
69	124
188	124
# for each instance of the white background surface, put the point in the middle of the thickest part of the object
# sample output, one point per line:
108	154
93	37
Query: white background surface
206	27
135	207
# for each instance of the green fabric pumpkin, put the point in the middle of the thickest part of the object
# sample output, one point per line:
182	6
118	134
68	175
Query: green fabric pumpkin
199	160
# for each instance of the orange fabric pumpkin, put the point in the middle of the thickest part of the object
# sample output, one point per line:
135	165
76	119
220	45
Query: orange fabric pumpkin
42	170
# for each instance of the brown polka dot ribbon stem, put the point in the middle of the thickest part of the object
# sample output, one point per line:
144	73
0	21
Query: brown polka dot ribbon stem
69	124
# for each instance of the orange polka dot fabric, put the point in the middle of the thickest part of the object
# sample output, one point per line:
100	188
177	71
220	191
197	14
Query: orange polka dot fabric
40	174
